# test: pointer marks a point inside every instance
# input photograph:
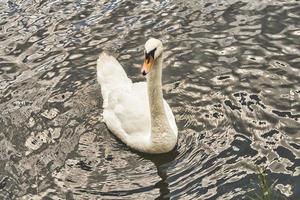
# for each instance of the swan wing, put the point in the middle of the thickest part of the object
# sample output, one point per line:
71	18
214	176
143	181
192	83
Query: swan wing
126	111
111	76
128	115
132	109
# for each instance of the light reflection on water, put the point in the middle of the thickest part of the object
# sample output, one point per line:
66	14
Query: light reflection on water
231	76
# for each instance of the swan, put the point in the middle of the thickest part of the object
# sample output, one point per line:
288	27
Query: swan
136	113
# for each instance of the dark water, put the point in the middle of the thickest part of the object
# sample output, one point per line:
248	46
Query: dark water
231	76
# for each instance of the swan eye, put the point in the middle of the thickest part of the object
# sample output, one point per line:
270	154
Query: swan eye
150	54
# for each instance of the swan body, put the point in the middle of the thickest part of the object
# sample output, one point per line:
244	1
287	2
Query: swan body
136	113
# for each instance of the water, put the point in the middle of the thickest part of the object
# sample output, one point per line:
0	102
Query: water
231	77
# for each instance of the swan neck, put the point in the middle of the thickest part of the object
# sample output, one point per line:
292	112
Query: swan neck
154	76
159	121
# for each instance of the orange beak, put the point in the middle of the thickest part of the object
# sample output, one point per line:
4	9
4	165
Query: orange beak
148	62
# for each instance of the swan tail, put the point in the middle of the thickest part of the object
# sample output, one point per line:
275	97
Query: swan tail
110	75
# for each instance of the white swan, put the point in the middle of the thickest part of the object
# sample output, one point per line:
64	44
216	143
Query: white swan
142	120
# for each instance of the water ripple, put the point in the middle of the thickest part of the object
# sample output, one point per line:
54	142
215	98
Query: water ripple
231	77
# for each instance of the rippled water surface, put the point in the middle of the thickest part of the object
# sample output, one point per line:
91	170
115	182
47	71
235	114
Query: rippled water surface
231	76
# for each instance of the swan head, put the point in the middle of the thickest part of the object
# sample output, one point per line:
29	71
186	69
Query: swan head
153	49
